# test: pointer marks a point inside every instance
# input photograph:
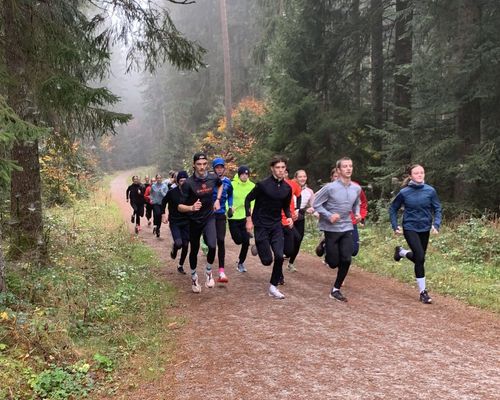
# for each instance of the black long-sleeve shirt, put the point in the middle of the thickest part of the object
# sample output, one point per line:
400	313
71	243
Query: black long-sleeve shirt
136	193
173	198
271	196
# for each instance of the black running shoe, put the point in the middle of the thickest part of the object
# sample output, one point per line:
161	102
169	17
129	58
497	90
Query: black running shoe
173	253
154	229
397	257
132	218
157	232
320	248
180	270
425	298
337	295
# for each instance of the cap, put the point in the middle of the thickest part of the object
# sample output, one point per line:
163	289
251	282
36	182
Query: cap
199	156
181	175
243	170
218	161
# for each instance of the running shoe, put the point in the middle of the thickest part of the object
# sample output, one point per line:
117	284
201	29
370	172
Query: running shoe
337	295
180	270
253	250
149	223
136	229
132	218
195	286
154	229
274	292
209	280
157	232
173	253
425	298
222	277
241	267
291	267
320	248
397	257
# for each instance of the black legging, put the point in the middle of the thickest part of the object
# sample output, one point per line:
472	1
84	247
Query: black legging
149	210
292	242
418	244
157	213
338	248
267	239
138	212
220	228
196	229
180	235
239	234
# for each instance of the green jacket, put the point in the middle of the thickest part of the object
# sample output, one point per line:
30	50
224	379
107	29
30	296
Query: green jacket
240	191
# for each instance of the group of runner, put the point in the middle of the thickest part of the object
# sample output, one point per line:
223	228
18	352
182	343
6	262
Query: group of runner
273	212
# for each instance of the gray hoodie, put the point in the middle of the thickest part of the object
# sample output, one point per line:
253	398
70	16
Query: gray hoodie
337	198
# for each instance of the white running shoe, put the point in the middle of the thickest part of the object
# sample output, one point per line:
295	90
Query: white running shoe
274	292
195	286
209	280
291	267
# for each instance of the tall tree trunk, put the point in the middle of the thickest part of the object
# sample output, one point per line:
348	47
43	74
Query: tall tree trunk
3	285
358	54
25	196
227	64
402	59
468	118
377	64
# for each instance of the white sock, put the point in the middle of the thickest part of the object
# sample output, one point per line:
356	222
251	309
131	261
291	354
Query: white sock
421	284
335	289
403	252
208	268
193	274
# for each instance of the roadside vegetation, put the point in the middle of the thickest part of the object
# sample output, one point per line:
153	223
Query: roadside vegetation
98	308
463	261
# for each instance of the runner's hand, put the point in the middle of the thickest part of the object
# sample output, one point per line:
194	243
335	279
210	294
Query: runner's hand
249	225
217	204
289	222
434	231
334	218
357	217
398	231
197	205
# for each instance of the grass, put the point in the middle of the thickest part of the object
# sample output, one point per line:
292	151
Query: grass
463	261
66	330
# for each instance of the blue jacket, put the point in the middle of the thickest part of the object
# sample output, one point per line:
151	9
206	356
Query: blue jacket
421	204
226	196
158	192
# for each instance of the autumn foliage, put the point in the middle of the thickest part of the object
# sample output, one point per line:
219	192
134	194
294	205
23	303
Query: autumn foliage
236	145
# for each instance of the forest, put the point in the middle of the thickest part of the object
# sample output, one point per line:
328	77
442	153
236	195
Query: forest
92	87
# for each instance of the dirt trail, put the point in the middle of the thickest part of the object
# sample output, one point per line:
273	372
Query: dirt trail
239	343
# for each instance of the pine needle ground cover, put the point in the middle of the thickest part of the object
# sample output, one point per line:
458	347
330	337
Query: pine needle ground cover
70	329
463	261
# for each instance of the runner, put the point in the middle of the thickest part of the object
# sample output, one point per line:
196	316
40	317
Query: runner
200	205
271	195
334	202
291	235
219	167
179	222
149	207
421	204
158	190
136	194
242	185
363	207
